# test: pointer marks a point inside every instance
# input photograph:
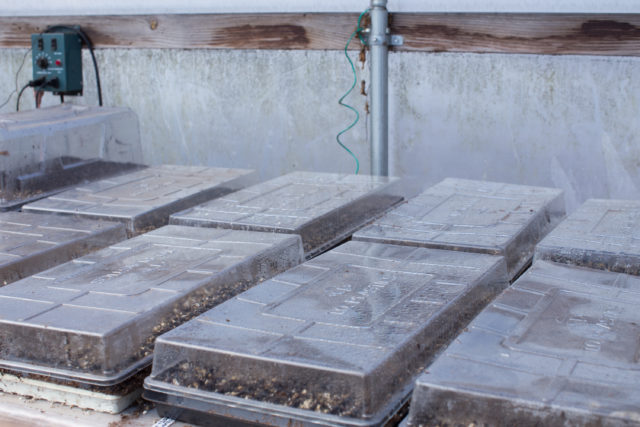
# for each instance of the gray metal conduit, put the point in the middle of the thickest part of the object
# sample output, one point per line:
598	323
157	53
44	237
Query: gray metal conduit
379	49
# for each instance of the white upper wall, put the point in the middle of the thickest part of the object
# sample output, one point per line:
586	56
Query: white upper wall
127	7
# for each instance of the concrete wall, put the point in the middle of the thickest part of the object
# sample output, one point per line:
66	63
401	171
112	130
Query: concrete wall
571	122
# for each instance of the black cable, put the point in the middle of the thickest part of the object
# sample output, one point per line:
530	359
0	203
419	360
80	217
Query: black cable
20	94
40	83
87	41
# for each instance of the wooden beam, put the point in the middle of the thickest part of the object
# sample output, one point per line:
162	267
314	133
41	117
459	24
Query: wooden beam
459	32
521	33
234	31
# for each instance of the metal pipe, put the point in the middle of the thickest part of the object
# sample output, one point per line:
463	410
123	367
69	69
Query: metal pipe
378	41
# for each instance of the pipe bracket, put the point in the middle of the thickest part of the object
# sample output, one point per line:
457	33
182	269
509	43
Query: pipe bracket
389	40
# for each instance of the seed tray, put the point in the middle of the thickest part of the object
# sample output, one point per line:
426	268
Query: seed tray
337	340
94	319
144	199
30	243
323	208
474	216
601	234
44	150
559	347
112	403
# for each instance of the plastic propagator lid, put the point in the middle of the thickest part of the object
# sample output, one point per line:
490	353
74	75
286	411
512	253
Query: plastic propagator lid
601	234
338	339
30	243
45	150
145	199
95	319
323	208
559	347
475	216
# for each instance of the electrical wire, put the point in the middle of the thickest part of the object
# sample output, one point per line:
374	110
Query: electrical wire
357	32
39	84
17	73
20	94
89	44
360	29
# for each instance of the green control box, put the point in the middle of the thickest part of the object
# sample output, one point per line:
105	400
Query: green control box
58	58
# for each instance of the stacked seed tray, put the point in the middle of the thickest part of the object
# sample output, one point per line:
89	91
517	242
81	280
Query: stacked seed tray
30	243
560	346
83	332
144	199
473	216
323	208
338	340
43	151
